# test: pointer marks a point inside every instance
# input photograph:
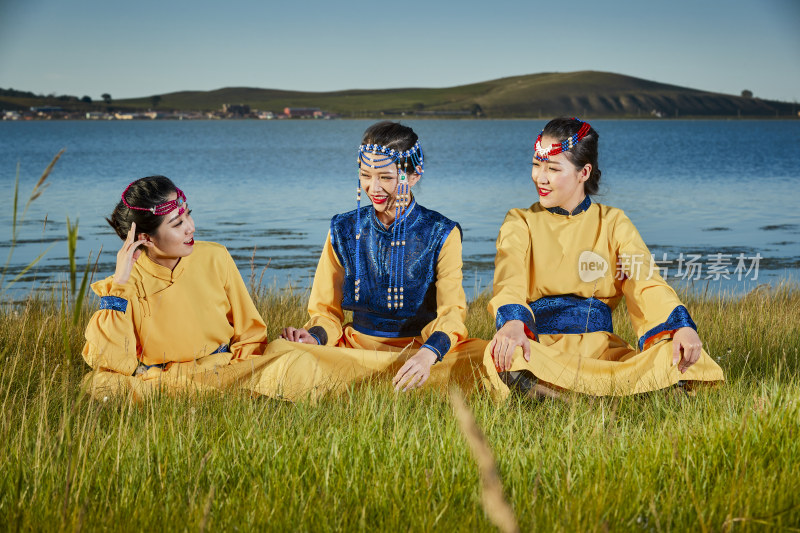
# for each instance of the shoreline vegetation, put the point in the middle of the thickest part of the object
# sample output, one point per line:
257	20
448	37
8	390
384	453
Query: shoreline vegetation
370	459
588	94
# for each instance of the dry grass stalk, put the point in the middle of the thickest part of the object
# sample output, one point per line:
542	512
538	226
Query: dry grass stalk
40	186
494	503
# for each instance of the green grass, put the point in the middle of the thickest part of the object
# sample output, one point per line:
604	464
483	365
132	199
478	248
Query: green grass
370	459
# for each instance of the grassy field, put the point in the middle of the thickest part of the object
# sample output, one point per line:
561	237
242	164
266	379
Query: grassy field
725	460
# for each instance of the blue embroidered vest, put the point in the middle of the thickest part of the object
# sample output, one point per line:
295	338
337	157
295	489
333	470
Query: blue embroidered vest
426	232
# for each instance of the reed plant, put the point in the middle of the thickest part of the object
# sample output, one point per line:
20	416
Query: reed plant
372	459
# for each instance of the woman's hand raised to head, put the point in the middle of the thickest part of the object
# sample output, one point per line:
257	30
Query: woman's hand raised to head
298	335
686	348
416	371
506	340
128	255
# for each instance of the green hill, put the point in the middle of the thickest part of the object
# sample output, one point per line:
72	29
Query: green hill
585	93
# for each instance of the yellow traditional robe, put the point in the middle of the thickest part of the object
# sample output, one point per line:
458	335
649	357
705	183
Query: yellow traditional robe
541	257
349	355
196	327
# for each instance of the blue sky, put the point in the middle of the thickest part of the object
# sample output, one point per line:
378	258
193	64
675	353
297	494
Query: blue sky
89	47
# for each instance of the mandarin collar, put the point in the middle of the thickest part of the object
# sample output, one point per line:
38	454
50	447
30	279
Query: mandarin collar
162	272
410	215
583	206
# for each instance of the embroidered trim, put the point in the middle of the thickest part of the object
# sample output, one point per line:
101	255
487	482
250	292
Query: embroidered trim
570	314
439	343
517	312
583	206
678	318
113	303
319	333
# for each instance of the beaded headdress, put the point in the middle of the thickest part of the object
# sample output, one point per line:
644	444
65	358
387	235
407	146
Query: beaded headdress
161	209
414	156
543	154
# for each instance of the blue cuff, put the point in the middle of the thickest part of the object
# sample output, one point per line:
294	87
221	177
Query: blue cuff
114	303
319	333
517	312
222	349
678	318
438	343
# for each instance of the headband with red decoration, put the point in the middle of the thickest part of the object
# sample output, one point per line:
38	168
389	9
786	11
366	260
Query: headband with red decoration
543	154
161	209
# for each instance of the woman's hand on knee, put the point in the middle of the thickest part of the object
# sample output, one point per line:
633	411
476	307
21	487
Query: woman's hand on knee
298	335
686	348
506	340
416	371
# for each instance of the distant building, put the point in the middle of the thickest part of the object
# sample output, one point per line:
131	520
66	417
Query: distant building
236	109
47	111
265	115
302	112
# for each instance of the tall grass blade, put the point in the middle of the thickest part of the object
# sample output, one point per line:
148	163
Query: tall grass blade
495	505
72	245
78	303
24	270
37	191
13	230
40	186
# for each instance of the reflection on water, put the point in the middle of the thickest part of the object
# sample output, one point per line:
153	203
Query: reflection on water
267	189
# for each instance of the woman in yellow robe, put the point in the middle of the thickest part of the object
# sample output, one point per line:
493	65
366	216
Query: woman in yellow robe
397	266
562	266
178	316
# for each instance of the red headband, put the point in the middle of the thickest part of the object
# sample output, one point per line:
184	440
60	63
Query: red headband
160	209
543	154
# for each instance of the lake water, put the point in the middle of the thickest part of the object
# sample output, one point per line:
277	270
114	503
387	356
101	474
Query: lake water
267	189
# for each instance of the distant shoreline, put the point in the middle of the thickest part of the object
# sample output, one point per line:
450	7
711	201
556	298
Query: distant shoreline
590	94
409	117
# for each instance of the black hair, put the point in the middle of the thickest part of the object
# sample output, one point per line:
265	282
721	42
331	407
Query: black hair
393	135
581	154
145	192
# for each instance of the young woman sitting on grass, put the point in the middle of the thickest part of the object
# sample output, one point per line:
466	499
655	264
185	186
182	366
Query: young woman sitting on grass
556	282
176	314
397	266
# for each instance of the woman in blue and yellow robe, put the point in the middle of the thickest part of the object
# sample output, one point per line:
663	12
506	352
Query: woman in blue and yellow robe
357	266
561	267
572	341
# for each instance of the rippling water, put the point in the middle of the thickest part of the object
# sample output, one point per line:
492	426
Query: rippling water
267	189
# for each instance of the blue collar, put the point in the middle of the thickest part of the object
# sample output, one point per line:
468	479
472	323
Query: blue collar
583	206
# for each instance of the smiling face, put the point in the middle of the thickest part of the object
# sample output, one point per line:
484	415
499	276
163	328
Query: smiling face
559	182
380	185
174	238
